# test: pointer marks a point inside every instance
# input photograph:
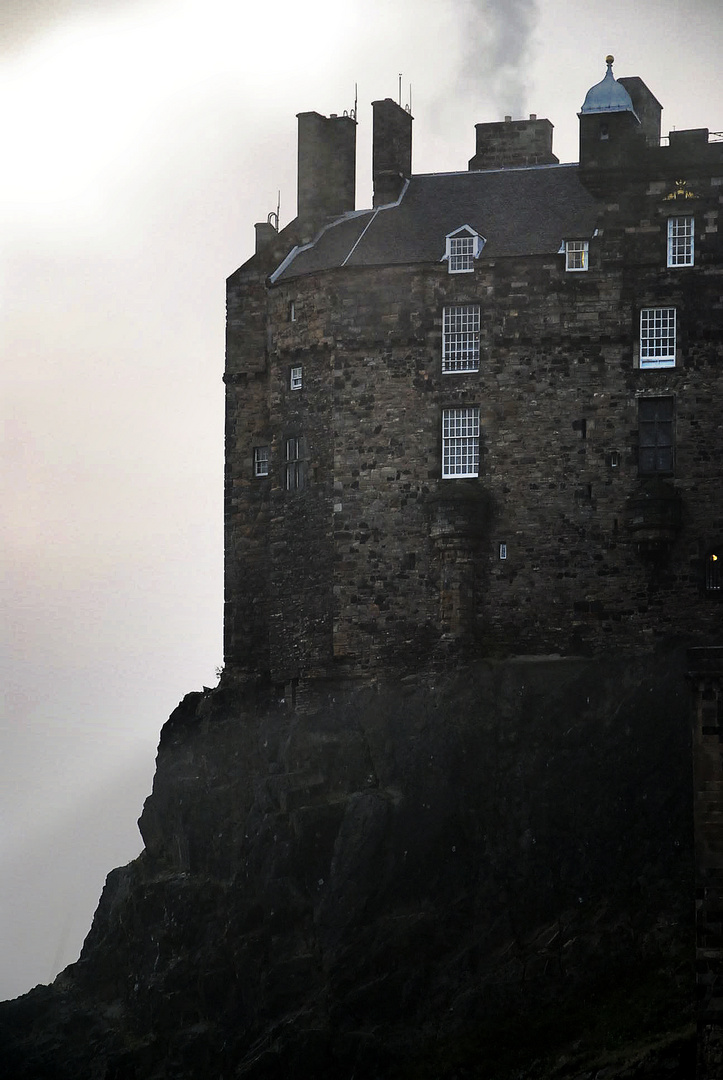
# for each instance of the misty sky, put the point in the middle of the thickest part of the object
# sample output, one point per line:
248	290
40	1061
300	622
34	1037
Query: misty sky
142	139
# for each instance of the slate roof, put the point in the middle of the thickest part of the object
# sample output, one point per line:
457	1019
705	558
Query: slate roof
520	211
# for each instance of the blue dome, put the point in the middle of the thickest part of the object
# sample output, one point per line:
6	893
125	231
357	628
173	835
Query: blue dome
607	95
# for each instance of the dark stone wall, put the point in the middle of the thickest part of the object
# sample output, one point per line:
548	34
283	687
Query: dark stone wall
379	562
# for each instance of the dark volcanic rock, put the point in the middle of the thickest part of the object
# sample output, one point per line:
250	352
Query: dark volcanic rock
488	876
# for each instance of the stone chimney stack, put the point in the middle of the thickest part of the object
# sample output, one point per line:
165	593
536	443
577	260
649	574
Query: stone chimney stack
513	142
265	234
647	108
391	150
327	166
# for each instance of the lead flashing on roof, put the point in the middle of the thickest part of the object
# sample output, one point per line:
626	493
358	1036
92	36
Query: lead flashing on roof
298	248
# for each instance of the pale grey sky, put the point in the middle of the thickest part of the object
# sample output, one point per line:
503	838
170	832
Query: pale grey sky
142	141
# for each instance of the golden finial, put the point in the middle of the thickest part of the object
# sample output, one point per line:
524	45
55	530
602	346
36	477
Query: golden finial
609	59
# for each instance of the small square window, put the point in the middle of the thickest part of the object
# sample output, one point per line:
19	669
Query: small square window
261	460
657	337
681	241
576	254
296	378
460	338
503	551
460	441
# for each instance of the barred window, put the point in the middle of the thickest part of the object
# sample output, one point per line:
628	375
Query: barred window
460	338
460	441
656	436
461	254
261	460
295	466
657	337
680	241
576	254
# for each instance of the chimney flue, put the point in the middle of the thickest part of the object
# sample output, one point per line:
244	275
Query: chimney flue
326	166
391	150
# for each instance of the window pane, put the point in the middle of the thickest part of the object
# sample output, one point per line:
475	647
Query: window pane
460	338
460	441
657	337
680	241
261	461
461	253
576	254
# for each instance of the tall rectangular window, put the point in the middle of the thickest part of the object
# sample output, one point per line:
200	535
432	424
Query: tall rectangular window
261	460
681	241
576	252
460	338
657	337
656	436
460	441
294	465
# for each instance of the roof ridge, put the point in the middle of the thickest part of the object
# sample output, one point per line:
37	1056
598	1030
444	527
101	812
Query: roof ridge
502	168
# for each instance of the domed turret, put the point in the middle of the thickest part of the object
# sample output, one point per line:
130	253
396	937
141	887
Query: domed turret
610	129
607	96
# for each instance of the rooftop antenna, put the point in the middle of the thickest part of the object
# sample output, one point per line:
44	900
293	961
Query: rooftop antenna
353	112
273	217
409	106
400	89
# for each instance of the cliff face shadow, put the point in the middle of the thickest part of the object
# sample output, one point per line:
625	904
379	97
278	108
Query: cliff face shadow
445	878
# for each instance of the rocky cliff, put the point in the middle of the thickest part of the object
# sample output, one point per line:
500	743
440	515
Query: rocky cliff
483	874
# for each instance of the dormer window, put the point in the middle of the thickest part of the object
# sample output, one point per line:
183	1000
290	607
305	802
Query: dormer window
463	247
576	255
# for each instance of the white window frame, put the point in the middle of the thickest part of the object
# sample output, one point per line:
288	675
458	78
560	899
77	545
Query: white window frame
460	442
296	378
681	240
262	460
577	256
460	338
658	335
462	248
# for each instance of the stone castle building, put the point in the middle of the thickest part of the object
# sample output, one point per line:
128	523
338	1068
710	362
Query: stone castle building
482	415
